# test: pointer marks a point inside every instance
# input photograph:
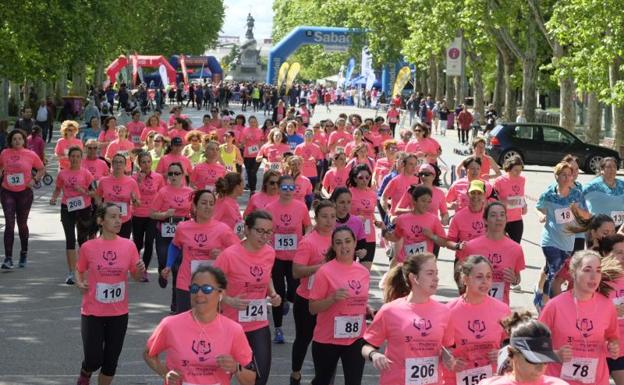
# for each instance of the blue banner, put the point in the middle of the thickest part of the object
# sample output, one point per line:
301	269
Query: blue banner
350	68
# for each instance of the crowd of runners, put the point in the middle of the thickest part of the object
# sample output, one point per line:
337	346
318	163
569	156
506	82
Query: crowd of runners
324	197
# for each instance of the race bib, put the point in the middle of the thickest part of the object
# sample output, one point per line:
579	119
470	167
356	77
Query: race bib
274	166
310	281
285	242
110	292
515	202
256	310
123	206
563	215
339	149
473	376
197	263
239	228
15	179
367	226
415	248
618	217
497	291
229	168
252	150
348	326
421	371
210	187
580	369
124	153
618	301
136	139
167	230
75	203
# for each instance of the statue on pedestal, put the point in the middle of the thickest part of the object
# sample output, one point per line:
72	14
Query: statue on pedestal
250	24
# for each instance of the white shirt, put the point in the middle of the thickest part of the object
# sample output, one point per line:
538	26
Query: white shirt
42	114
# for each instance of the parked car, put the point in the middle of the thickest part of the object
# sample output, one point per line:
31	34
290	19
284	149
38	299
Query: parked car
544	145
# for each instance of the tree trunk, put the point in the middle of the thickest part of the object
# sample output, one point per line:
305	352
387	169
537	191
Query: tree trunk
529	75
42	89
432	78
617	110
441	80
459	95
450	93
477	79
509	113
593	119
423	81
79	79
567	118
499	85
4	98
99	72
61	84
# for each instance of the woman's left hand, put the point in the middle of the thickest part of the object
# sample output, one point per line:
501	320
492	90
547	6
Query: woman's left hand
227	363
613	347
275	299
509	275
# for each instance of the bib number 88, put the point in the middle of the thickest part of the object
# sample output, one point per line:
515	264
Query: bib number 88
352	327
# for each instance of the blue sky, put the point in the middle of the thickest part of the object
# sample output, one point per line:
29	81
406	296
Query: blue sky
236	17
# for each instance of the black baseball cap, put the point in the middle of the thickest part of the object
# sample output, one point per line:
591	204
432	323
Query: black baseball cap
536	350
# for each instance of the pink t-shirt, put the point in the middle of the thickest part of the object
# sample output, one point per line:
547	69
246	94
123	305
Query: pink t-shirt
226	210
205	175
382	168
510	191
97	167
251	140
438	201
159	130
192	348
410	227
508	380
178	133
351	145
273	154
397	187
119	191
311	251
197	242
148	187
393	115
67	180
585	326
107	136
303	187
416	333
171	197
61	150
172	119
166	160
340	140
248	275
17	168
617	297
465	226
288	222
259	201
476	331
458	192
363	203
311	153
502	254
135	129
107	263
424	146
335	178
120	146
343	322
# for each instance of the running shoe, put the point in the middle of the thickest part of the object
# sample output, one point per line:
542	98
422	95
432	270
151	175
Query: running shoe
516	288
8	263
83	379
279	336
22	260
295	381
144	278
162	282
70	280
286	308
538	297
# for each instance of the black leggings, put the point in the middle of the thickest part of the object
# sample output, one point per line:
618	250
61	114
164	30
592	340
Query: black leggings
182	301
16	204
282	277
260	343
162	247
143	234
102	340
126	229
79	220
304	330
515	229
326	358
251	168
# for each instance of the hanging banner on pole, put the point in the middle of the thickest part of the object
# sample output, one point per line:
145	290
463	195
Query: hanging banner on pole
350	68
367	62
135	68
401	80
341	77
184	74
281	75
454	57
370	80
163	75
292	74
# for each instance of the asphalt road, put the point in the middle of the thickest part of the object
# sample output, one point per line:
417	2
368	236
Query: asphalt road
40	339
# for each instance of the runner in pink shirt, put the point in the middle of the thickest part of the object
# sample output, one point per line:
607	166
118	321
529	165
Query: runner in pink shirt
153	124
206	174
383	166
399	184
291	221
273	151
144	227
303	186
309	258
106	261
478	333
311	154
456	195
76	185
69	131
122	146
135	129
584	322
510	190
505	255
248	266
336	176
197	242
487	162
338	298
468	223
179	130
251	139
176	113
218	347
96	166
266	196
229	188
337	140
174	155
420	145
122	190
358	139
108	134
363	203
417	329
426	174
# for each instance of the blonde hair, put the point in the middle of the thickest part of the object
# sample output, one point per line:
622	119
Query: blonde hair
67	124
610	269
559	167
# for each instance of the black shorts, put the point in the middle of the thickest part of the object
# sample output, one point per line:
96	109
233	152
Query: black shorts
615	365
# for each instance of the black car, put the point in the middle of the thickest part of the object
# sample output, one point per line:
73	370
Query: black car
544	145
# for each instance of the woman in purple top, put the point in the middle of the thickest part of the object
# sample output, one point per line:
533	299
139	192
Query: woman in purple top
342	198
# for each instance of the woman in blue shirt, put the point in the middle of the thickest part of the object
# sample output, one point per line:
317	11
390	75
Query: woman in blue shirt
605	193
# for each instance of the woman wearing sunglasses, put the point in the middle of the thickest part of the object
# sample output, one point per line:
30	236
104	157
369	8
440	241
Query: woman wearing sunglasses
426	174
247	266
336	176
363	202
69	131
303	186
197	242
173	154
219	349
158	151
229	188
268	194
290	217
171	206
193	150
96	166
121	145
206	174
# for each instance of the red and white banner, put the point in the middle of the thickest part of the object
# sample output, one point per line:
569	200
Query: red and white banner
184	74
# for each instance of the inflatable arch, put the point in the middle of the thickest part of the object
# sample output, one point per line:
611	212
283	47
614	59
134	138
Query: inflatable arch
142	61
212	68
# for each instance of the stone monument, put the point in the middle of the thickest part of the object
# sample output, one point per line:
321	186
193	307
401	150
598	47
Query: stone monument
247	66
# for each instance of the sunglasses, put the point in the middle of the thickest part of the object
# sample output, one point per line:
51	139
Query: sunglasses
174	173
206	289
363	177
263	232
92	148
287	187
273	182
421	174
158	140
